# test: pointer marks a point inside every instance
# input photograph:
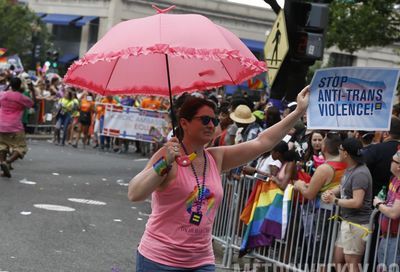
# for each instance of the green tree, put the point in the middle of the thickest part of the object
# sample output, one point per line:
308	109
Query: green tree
21	31
354	25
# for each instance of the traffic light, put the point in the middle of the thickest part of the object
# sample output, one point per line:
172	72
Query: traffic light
54	59
307	22
37	51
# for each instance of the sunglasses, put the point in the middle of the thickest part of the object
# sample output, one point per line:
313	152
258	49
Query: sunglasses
206	119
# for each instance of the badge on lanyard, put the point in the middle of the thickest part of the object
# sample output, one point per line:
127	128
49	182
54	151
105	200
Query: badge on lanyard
195	218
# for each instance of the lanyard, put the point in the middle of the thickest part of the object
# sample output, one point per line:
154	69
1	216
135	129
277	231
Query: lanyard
201	188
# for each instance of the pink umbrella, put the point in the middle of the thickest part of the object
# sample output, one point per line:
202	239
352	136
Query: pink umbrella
134	57
164	54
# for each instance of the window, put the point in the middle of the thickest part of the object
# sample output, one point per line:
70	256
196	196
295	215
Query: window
337	60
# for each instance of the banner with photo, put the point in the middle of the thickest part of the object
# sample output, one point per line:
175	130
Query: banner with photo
135	124
352	98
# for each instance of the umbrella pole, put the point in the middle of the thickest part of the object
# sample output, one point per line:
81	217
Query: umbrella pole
173	117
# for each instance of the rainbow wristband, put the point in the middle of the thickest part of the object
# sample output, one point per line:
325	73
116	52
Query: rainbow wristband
161	167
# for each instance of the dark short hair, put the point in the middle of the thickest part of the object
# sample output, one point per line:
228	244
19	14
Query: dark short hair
15	83
395	127
332	142
190	108
354	147
281	147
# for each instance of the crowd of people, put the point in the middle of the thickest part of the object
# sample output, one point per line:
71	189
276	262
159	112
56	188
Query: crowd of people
234	134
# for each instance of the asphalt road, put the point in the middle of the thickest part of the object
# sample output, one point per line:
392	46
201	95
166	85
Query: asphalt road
96	228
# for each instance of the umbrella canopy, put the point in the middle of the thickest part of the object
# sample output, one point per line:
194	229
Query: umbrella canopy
162	55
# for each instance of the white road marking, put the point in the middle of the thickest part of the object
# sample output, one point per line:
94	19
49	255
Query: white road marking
140	219
56	174
25	213
144	214
51	207
117	220
134	208
138	160
87	201
25	181
104	179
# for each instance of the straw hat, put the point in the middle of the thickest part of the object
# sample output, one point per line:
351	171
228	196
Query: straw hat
242	115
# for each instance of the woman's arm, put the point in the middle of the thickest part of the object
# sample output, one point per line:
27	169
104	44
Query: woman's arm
233	156
147	181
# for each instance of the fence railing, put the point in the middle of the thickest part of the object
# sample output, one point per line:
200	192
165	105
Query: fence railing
308	244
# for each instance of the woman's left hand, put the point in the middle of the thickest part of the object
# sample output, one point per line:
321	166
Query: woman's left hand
303	99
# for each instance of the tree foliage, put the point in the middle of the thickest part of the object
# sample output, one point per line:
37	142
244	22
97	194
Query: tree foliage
355	25
21	29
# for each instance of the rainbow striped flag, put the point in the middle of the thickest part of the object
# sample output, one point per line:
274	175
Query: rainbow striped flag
266	215
2	51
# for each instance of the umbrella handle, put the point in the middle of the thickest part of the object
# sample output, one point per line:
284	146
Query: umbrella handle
185	161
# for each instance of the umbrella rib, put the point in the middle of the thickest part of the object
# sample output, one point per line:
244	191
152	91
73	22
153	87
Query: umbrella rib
222	61
112	71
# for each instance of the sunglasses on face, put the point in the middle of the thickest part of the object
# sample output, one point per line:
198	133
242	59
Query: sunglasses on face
206	119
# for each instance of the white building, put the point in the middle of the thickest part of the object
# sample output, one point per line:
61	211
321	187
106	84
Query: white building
78	24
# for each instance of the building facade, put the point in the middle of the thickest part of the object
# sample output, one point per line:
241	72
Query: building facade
77	24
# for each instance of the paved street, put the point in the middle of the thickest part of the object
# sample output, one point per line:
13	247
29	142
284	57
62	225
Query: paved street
81	235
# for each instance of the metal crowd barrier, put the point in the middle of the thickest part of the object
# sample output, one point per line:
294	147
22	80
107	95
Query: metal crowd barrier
308	244
41	120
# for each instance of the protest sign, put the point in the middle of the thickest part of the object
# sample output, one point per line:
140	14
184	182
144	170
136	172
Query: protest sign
352	98
135	124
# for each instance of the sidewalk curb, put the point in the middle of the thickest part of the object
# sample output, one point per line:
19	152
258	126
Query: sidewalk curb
39	137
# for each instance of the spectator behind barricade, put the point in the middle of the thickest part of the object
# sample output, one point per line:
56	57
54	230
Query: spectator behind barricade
127	100
73	127
29	89
366	138
150	103
396	110
105	141
255	128
354	197
290	108
66	106
390	209
266	165
328	175
287	172
378	157
225	122
3	82
55	88
314	143
243	118
272	116
86	108
12	135
232	130
298	139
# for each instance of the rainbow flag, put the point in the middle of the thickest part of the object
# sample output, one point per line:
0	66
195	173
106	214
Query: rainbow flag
2	51
266	215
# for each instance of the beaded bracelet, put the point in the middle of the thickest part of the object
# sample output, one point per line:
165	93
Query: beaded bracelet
161	167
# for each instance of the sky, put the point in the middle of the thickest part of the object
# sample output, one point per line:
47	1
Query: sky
257	3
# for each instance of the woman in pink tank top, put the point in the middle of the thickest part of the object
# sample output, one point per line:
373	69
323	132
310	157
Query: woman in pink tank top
185	198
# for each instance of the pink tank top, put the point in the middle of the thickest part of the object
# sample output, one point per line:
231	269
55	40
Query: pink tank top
169	238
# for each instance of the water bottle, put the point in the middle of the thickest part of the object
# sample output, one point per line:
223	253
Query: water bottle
382	193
